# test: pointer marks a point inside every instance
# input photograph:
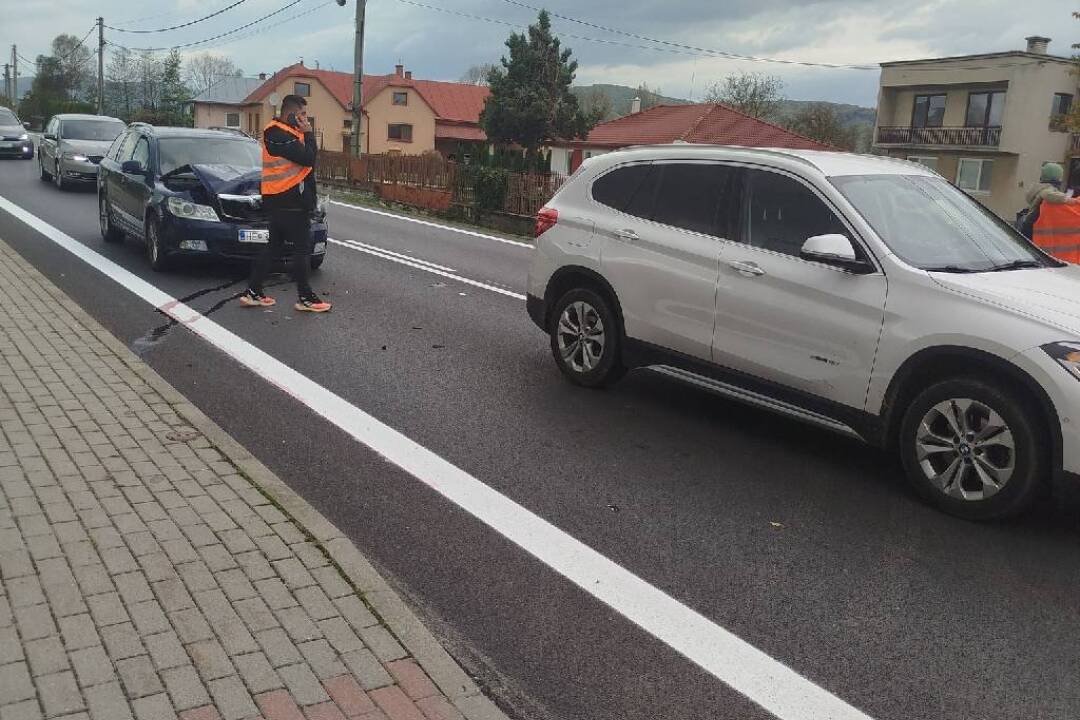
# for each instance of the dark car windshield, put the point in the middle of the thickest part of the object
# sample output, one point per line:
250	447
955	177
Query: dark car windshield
177	152
104	130
933	225
7	117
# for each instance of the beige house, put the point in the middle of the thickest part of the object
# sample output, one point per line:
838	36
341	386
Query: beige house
400	114
985	122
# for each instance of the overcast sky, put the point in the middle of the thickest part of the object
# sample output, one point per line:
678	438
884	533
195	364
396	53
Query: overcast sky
440	45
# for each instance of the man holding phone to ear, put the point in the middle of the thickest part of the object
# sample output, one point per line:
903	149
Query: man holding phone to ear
288	194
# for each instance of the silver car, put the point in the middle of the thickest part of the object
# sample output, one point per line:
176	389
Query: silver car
73	145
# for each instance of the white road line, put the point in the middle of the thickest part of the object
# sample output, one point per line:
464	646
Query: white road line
384	251
764	680
426	268
428	223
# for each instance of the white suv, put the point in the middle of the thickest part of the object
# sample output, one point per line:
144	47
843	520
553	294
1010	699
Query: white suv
863	294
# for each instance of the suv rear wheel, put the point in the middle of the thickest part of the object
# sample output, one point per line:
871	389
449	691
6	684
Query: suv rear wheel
973	450
585	338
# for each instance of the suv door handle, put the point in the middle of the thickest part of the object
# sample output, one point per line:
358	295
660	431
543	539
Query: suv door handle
747	268
628	235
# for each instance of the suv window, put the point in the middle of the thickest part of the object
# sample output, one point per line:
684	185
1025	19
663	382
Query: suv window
127	147
617	187
692	196
782	213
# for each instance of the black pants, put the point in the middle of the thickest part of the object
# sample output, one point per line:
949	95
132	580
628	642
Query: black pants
293	226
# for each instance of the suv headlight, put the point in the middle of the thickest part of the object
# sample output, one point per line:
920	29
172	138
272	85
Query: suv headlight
1067	355
191	211
76	157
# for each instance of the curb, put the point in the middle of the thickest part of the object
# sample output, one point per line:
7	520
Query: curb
443	670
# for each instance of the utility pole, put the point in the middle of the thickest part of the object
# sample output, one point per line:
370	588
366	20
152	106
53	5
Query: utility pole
7	83
14	75
358	79
101	66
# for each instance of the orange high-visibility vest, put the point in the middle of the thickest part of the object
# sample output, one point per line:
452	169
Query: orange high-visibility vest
1057	231
281	174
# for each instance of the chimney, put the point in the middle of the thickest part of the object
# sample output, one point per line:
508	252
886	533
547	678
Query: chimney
1037	45
635	106
262	76
399	70
408	74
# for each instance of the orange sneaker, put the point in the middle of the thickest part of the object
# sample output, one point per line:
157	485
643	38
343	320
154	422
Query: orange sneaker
250	298
312	303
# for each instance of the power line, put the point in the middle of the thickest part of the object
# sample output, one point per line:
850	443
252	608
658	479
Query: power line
271	26
280	10
706	51
183	25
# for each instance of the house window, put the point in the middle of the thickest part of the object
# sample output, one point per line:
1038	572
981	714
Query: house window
929	111
232	120
400	132
975	175
302	89
928	161
1062	104
401	98
348	123
985	109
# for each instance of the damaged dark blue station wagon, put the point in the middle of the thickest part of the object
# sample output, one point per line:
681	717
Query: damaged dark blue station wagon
189	192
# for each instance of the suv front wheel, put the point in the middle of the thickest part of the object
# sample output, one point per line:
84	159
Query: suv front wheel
585	338
973	450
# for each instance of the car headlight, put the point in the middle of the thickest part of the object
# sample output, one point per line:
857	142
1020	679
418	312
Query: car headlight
1067	355
76	157
191	211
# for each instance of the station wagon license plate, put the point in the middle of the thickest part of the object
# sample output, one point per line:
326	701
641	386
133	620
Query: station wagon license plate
254	236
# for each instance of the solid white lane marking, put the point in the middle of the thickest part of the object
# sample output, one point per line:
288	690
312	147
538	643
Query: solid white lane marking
384	251
428	223
762	679
426	268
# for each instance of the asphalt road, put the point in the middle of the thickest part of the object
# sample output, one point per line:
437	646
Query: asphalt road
806	545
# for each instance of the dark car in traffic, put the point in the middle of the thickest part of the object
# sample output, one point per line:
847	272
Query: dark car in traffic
189	192
14	139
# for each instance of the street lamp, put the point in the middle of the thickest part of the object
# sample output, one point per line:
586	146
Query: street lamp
358	74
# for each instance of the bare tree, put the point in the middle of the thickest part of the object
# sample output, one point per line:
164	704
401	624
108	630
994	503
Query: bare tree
649	97
206	69
148	73
821	122
598	105
73	59
121	76
477	74
755	94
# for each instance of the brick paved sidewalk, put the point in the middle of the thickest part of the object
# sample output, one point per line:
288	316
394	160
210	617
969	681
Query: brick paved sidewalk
143	575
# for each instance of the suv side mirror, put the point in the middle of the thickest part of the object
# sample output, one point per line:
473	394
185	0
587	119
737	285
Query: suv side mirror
834	249
50	136
133	167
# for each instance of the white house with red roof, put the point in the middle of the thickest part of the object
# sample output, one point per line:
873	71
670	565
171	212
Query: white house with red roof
401	114
705	123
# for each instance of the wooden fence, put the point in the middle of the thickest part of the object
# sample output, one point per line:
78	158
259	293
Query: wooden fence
431	181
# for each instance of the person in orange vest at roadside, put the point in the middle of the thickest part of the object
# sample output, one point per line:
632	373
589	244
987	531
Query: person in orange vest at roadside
289	151
1056	227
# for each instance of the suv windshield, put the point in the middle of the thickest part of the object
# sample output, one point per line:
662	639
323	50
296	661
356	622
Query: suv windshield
934	226
104	130
7	117
177	152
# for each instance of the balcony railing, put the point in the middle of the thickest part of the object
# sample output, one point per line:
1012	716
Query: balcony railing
959	136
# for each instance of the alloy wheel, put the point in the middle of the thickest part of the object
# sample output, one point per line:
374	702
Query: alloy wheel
966	450
581	336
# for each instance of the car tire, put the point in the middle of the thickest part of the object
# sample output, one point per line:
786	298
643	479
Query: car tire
109	233
317	261
586	339
45	177
974	450
155	253
58	178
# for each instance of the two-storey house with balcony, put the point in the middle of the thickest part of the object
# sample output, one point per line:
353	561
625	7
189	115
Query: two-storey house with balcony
985	122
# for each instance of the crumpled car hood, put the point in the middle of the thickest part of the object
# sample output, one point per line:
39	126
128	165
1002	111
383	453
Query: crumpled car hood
228	179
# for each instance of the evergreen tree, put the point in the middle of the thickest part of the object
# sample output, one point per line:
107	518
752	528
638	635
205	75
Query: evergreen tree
531	103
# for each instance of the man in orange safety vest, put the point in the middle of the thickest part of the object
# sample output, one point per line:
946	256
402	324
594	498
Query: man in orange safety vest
289	151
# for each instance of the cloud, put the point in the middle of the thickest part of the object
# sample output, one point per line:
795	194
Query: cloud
442	46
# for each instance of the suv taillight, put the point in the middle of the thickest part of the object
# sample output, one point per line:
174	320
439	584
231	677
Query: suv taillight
545	220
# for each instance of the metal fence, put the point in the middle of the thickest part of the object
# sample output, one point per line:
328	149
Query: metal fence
525	193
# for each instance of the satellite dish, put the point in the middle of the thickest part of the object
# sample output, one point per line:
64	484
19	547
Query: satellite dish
275	99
